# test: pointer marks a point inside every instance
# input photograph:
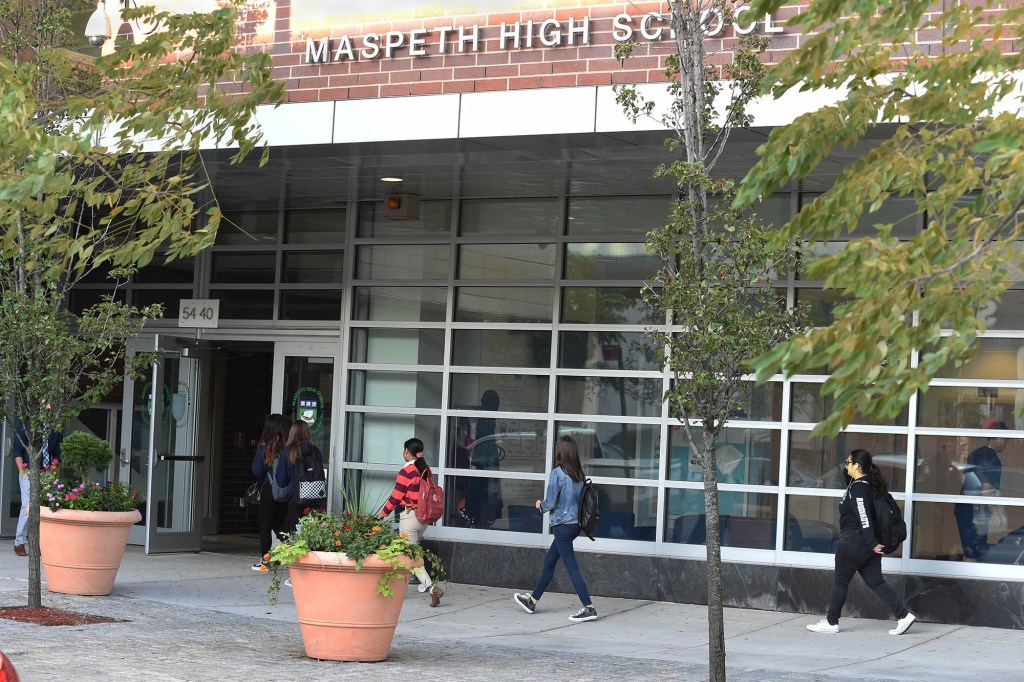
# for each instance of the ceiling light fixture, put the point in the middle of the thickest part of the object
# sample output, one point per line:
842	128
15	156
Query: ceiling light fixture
391	178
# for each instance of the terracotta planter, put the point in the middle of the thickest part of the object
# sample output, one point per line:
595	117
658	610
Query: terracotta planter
341	615
81	550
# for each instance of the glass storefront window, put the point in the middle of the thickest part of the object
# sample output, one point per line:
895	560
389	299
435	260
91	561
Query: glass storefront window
493	503
1006	313
314	226
511	217
248	228
398	346
169	298
435	219
628	512
970	465
501	262
379	438
310	305
1001	359
746	519
607	350
503	304
744	456
505	392
968	531
394	389
178	271
901	212
817	462
609	261
969	407
501	348
321	267
402	261
243	268
497	444
400	304
248	304
613	396
617	216
763	404
812	524
808	406
820	304
606	305
616	449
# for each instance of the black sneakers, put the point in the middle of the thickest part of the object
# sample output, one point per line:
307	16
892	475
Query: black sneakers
525	601
584	614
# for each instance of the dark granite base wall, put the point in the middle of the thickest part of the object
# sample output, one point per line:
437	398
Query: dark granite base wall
964	601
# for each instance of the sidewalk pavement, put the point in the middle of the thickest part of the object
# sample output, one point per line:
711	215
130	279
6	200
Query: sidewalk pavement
206	616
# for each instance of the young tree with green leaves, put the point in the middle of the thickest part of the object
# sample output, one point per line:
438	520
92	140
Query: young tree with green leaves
946	81
715	283
99	167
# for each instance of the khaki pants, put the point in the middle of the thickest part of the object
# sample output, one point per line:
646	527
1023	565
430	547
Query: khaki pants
410	525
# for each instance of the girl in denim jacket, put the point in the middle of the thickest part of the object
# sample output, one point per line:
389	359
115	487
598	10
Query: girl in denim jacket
565	485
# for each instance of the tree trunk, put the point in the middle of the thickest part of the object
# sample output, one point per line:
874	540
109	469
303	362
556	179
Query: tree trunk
716	616
35	588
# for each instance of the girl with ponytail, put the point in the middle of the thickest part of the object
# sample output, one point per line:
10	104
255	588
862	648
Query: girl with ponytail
859	550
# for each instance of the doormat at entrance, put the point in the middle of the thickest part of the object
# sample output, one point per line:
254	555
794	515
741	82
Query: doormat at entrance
42	615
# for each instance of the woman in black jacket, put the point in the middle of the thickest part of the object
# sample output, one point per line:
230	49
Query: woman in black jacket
859	551
271	511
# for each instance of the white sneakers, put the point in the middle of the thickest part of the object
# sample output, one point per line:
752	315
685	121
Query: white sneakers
903	624
824	626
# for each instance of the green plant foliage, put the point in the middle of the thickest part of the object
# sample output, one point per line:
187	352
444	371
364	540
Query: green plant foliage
83	452
357	535
100	166
116	496
953	142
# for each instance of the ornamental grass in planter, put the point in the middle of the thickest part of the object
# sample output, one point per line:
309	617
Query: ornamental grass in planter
348	574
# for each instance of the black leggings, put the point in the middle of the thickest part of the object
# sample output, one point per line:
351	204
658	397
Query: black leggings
271	517
854	556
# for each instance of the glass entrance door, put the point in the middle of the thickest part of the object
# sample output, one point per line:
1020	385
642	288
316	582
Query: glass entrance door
161	455
304	389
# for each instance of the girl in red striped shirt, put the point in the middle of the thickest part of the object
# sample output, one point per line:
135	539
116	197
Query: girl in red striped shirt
404	498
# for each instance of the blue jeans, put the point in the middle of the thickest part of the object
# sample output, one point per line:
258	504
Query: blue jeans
21	533
561	548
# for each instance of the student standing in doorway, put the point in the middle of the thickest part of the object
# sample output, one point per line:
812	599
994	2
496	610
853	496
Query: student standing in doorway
298	447
565	486
404	499
272	511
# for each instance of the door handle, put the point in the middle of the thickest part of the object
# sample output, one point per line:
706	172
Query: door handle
125	461
181	458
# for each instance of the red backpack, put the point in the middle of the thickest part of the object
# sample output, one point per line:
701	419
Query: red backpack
431	504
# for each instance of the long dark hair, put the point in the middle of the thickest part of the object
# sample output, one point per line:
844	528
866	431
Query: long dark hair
874	475
567	456
299	434
275	432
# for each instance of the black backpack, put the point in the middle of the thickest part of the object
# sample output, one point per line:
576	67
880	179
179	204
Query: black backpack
590	510
890	528
310	482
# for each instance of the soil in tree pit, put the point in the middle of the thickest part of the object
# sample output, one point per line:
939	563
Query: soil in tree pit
41	615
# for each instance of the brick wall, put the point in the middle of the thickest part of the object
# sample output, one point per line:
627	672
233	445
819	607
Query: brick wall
283	27
492	66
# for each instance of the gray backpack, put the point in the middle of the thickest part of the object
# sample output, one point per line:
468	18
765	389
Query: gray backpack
280	494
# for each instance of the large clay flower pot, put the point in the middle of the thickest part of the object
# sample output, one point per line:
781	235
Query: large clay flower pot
81	550
341	615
